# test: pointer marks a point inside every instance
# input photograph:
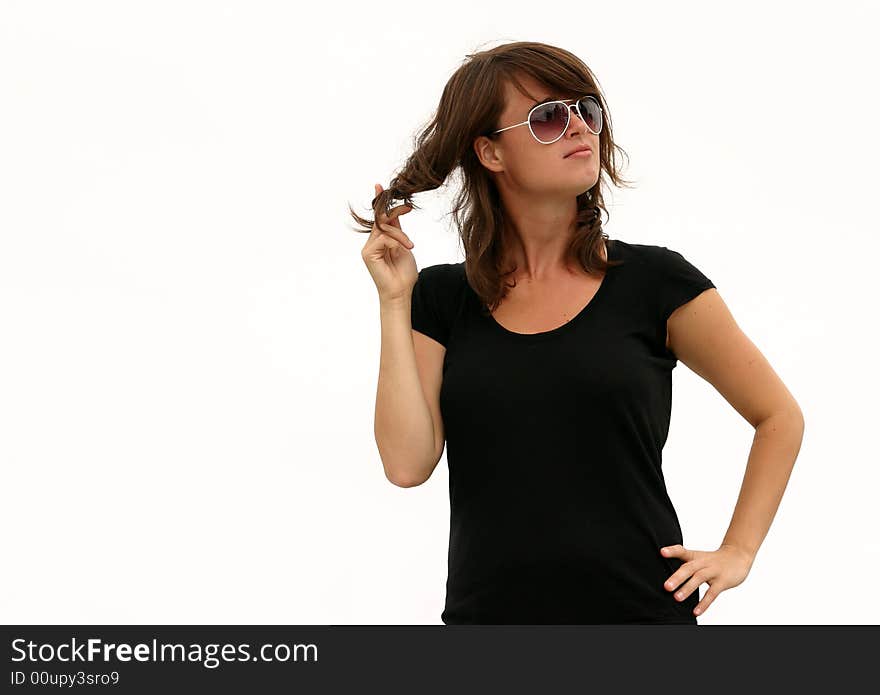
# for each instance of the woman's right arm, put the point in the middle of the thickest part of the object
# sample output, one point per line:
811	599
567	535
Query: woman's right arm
407	425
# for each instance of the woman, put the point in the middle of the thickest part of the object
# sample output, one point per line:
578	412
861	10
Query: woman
552	392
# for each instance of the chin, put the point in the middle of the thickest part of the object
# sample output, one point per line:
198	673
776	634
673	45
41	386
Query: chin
583	187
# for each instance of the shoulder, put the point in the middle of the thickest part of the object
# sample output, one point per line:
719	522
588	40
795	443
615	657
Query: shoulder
441	272
436	299
651	256
667	278
442	279
660	262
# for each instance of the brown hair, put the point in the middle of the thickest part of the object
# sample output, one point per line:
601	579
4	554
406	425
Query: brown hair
446	144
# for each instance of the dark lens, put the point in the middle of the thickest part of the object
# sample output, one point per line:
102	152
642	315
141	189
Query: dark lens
548	121
591	113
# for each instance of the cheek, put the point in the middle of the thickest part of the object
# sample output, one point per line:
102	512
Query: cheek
540	166
544	164
530	168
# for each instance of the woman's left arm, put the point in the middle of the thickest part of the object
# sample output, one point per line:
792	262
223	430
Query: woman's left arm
704	335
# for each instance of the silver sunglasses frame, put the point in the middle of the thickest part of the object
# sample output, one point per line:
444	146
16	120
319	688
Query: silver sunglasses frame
528	120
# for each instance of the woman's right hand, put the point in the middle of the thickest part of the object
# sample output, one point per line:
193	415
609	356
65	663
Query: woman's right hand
387	255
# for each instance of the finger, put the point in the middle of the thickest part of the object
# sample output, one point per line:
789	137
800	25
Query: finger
380	245
396	212
673	550
390	243
403	208
676	579
377	189
707	599
680	551
685	571
393	214
397	233
691	585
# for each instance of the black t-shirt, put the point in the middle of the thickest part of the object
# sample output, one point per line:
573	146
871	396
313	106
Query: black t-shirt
558	505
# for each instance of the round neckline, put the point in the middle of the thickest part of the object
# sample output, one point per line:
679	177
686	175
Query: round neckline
590	307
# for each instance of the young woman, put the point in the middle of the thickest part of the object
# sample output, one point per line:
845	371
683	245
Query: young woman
543	362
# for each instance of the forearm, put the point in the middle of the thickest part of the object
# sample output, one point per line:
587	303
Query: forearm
403	424
775	447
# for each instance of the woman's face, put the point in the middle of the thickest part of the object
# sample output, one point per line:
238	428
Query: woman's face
524	165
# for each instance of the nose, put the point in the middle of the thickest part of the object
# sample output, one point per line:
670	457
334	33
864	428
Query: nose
575	123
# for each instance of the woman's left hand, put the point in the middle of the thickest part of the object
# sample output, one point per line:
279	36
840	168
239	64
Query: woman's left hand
723	569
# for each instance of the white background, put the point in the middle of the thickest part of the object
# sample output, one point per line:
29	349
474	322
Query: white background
189	338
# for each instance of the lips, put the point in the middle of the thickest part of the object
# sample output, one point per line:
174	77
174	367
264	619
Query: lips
579	149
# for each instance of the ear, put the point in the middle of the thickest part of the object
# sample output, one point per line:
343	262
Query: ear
487	152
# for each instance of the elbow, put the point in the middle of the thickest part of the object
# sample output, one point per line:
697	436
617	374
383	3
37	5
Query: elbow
790	419
403	474
403	469
798	416
404	480
795	419
790	414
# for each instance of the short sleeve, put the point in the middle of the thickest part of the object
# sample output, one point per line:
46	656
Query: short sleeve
681	281
430	303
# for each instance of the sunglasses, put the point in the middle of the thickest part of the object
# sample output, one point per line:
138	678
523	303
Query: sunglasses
549	121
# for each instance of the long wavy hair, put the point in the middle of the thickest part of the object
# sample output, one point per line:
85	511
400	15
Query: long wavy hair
445	146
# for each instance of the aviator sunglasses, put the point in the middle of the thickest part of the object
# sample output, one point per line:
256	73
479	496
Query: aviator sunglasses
549	121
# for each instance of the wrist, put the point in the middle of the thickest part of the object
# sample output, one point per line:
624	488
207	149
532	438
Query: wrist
745	550
395	304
